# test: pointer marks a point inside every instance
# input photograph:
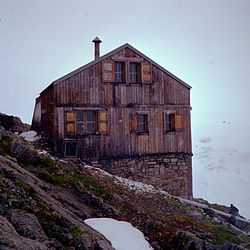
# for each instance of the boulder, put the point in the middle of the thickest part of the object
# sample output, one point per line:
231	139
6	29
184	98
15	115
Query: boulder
22	152
11	240
27	224
13	123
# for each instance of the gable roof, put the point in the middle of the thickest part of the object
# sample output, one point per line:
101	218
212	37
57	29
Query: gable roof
126	45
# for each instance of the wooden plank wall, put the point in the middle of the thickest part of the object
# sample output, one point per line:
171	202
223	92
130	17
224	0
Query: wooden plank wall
47	112
86	89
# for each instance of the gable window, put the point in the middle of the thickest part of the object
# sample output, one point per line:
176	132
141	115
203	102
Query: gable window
173	121
142	123
134	72
119	71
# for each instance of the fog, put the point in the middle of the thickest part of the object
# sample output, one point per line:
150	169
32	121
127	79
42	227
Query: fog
205	43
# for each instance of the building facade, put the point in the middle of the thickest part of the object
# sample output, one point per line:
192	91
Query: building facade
124	113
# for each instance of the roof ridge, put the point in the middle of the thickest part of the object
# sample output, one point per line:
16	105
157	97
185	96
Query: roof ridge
125	45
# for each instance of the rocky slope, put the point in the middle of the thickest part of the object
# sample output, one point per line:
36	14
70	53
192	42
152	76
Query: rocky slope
44	201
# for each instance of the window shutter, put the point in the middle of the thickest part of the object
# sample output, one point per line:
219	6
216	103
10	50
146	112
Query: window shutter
70	122
178	122
133	122
107	71
146	72
103	122
70	116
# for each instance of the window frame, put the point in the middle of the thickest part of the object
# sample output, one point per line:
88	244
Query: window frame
135	73
120	72
172	121
65	148
83	121
143	122
169	122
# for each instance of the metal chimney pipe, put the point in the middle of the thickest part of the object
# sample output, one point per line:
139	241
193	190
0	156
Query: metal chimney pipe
97	42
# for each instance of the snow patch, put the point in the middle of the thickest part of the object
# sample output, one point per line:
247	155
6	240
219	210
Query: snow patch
135	185
121	234
132	185
30	136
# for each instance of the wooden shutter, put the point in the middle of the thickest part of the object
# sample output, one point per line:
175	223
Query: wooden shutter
146	72
178	122
103	122
108	71
70	120
133	122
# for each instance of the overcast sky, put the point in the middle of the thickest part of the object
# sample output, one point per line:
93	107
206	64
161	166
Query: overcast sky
205	43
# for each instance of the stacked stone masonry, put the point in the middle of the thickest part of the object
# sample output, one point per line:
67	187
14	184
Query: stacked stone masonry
170	172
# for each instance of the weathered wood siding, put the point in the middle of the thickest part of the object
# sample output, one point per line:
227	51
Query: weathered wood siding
86	89
47	112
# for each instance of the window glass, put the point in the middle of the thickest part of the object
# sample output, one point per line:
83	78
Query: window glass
119	72
80	122
133	72
170	122
142	123
70	149
84	122
90	121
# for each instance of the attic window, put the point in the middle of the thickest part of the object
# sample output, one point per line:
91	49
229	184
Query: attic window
119	71
134	72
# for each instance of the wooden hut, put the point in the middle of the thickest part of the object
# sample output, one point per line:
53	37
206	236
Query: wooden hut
125	113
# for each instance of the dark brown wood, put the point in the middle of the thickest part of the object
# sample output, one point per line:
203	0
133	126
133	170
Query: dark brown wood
93	87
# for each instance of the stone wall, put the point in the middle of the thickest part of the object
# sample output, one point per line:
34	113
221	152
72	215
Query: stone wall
170	172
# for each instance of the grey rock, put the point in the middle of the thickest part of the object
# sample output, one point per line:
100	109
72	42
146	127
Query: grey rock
22	152
2	132
104	245
27	224
84	242
230	246
194	214
11	240
13	123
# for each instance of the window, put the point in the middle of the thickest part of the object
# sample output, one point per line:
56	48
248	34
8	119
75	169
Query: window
172	122
70	149
133	72
142	123
81	122
91	122
138	123
119	72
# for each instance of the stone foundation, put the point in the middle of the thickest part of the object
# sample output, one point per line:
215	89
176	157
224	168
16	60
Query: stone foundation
170	172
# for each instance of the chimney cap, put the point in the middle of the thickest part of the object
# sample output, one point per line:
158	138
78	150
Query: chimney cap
97	40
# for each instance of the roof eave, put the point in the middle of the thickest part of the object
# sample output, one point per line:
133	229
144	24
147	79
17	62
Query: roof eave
126	45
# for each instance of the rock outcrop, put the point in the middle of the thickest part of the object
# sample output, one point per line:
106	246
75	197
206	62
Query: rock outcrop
13	123
44	202
10	239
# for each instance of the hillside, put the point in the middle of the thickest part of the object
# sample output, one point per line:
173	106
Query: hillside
44	202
